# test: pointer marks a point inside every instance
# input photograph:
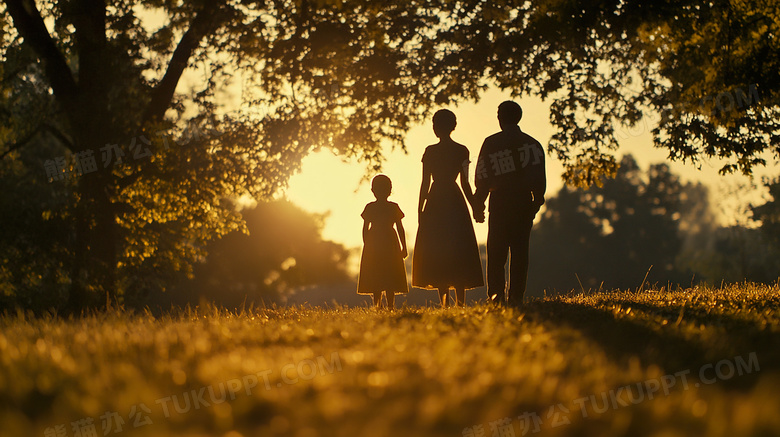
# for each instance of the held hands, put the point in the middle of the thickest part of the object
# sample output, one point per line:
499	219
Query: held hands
479	213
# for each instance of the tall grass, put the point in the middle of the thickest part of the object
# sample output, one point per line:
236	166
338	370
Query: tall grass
569	365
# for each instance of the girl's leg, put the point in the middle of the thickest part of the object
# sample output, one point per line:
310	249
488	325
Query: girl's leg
390	300
378	299
460	296
444	296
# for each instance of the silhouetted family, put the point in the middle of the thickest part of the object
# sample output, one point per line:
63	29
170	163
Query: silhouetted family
510	170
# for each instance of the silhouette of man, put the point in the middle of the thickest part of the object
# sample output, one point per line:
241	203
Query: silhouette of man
510	169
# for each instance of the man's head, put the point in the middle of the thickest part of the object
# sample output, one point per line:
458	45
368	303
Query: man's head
509	114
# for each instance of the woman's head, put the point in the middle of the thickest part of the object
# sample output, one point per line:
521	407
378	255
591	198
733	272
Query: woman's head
444	122
381	186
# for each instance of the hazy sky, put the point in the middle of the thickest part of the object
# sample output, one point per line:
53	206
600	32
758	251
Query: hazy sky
327	184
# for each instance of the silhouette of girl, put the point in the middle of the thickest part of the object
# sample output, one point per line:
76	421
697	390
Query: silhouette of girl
445	251
382	263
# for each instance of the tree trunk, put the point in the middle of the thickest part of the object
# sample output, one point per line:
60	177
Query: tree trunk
77	297
94	268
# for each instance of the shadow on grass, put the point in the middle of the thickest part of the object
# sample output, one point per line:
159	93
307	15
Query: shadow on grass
739	333
624	338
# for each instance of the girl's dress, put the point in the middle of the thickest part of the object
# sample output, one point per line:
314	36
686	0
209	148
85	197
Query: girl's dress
381	265
445	250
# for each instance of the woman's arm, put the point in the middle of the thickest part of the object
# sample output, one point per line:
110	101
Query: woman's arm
464	183
426	184
365	230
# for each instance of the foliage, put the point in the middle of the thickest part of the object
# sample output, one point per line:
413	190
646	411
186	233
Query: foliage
768	214
35	237
610	236
737	253
709	72
415	371
341	75
282	251
640	228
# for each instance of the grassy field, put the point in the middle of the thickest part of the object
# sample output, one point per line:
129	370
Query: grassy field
695	362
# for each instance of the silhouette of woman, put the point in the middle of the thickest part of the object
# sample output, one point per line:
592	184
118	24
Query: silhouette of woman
382	262
445	250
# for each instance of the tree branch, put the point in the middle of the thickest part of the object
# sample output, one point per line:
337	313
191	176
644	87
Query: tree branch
163	93
19	144
28	21
43	127
15	72
60	136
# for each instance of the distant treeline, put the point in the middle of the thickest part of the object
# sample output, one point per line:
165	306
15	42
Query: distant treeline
649	221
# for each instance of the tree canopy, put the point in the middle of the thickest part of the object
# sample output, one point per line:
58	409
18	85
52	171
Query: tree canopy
709	72
154	170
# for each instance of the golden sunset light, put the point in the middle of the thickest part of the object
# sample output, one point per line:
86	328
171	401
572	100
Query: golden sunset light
427	218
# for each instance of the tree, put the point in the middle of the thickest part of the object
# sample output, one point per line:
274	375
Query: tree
153	171
610	236
768	214
282	251
35	234
709	72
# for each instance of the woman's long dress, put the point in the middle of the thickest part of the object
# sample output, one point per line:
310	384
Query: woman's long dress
445	250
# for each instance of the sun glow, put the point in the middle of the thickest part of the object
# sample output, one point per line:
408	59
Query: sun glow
327	184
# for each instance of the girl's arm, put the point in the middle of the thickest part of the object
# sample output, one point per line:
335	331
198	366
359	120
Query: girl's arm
402	236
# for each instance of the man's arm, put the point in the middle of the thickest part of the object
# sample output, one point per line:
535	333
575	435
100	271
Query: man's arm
481	185
538	177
